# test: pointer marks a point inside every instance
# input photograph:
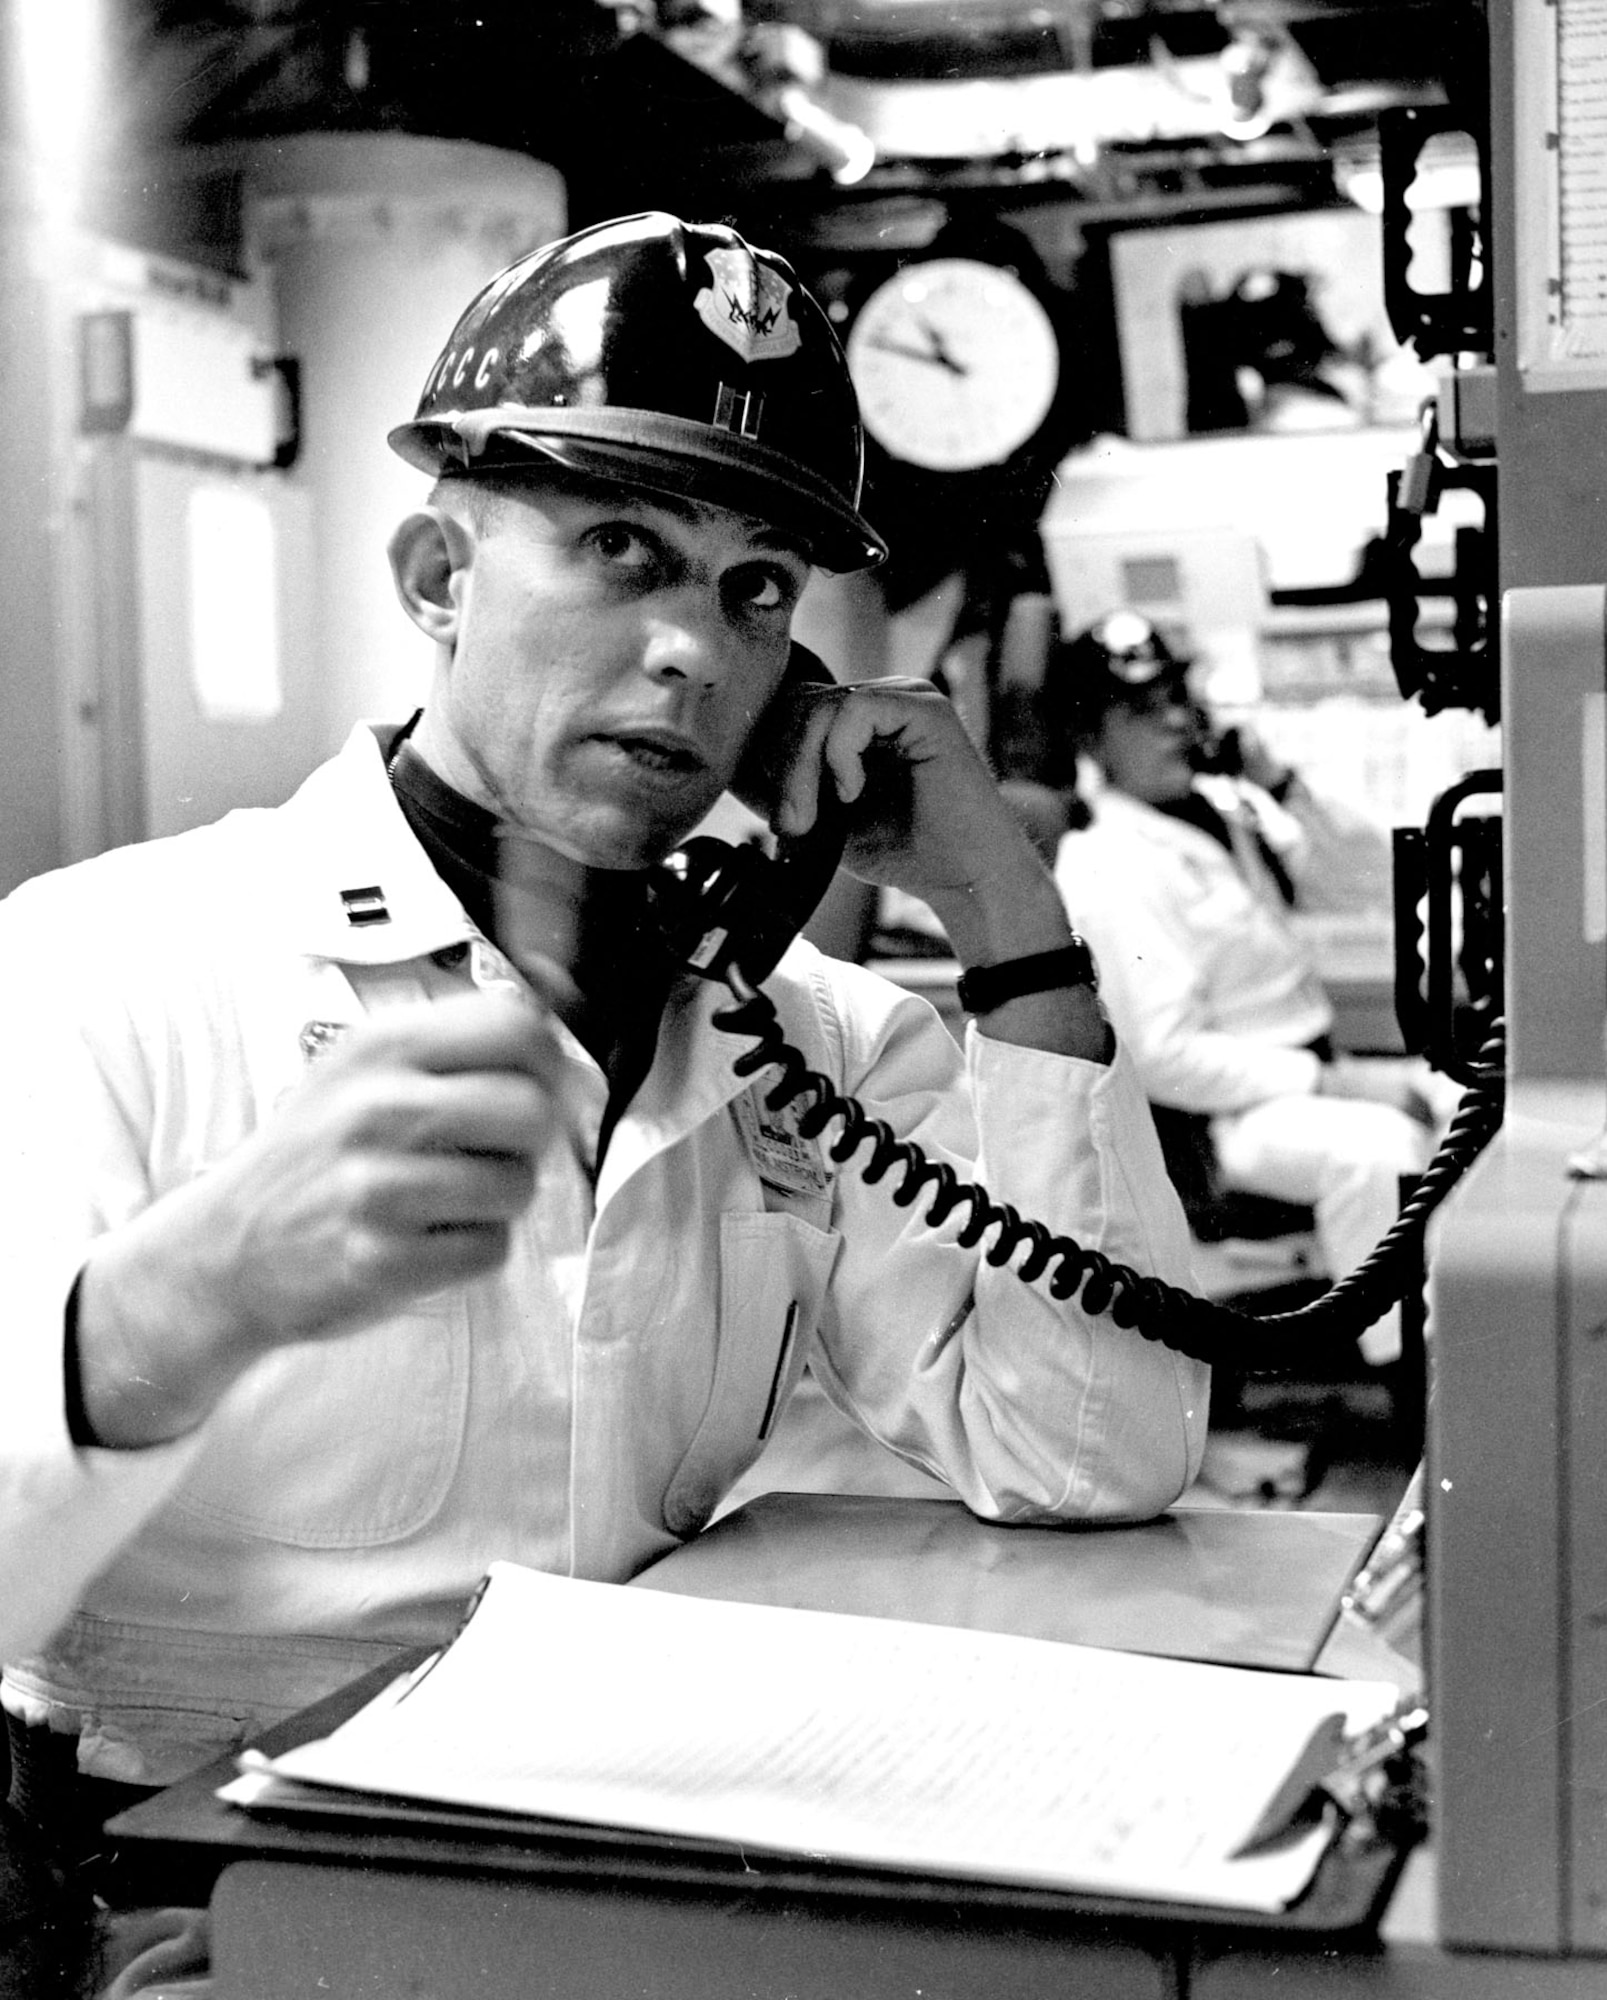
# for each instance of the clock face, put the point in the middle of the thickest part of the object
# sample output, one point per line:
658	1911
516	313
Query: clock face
955	362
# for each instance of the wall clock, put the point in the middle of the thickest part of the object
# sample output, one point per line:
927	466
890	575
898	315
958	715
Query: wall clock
956	363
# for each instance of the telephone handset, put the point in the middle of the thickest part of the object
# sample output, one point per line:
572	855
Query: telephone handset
730	913
720	905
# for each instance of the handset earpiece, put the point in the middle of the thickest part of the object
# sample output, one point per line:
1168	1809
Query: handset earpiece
761	776
722	905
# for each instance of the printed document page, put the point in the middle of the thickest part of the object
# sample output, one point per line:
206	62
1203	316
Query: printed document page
860	1740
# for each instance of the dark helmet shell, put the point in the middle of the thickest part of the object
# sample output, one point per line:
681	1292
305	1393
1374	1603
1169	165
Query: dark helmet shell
669	355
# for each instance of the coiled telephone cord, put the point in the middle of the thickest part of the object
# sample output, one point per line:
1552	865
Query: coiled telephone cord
1226	1336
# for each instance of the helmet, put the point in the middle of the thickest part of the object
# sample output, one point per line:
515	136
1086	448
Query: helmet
672	356
1113	660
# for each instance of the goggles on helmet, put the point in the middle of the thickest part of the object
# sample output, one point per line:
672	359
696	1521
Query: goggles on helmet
1120	660
1129	650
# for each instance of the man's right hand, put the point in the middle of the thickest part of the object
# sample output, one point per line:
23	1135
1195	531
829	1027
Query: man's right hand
397	1167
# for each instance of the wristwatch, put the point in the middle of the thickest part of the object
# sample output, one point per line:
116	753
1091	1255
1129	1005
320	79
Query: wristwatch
985	987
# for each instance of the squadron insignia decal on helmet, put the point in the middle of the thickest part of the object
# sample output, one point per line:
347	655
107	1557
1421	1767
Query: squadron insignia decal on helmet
747	306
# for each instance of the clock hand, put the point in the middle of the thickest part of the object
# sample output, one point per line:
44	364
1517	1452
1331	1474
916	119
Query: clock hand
936	356
940	352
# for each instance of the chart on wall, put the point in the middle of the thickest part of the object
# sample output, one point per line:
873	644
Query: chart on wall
1560	186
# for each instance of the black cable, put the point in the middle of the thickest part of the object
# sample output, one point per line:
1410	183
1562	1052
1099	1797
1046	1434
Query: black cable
1254	1344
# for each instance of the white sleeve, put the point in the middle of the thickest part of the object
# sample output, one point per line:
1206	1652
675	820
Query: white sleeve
71	1166
1028	1407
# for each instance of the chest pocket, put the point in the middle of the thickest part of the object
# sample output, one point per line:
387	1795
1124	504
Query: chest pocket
353	1442
341	1444
774	1270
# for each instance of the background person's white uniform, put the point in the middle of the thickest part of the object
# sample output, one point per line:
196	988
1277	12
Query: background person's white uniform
1212	994
1206	983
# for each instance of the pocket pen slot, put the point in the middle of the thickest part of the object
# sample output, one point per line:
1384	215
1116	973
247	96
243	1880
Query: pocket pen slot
788	1334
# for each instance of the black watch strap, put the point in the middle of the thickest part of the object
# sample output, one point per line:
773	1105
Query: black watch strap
985	987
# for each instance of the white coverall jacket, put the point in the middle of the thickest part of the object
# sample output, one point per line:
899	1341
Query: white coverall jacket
585	1407
1198	963
1216	1000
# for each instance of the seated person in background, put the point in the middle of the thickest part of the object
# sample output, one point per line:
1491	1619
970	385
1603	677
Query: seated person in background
344	1255
1187	910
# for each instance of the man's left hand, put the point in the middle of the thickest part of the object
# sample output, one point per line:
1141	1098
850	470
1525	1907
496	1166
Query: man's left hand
926	816
924	811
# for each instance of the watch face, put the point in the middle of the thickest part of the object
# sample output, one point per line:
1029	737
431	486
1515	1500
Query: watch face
956	364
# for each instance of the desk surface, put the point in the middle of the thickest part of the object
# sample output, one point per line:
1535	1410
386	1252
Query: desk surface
1246	1588
1240	1588
1243	1587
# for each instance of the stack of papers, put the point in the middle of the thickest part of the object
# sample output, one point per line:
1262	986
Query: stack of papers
859	1741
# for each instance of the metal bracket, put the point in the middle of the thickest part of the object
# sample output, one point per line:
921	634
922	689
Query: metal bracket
1451	862
1461	318
1466	674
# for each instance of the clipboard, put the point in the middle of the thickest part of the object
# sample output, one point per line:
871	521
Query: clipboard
173	1847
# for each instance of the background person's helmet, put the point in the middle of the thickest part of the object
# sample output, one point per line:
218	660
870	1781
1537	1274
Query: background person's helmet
1115	659
672	356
